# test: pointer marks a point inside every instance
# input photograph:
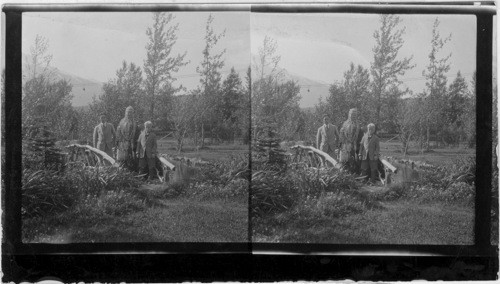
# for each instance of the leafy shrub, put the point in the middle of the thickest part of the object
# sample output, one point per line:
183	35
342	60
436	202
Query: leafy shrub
46	191
314	182
395	191
305	189
174	189
272	192
235	188
454	183
222	172
93	181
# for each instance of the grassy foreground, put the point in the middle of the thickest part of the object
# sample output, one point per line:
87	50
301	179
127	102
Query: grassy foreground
171	220
82	204
392	223
330	206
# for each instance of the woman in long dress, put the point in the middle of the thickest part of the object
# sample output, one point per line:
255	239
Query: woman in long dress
125	134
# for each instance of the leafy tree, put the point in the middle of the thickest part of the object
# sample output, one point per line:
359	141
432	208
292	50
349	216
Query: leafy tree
48	104
437	80
335	106
183	116
210	79
119	93
38	62
159	64
386	68
352	92
245	111
273	106
454	107
233	102
45	102
356	85
274	100
407	121
266	64
469	114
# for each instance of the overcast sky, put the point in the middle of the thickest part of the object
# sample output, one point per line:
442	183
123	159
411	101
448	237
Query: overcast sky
316	46
93	45
321	46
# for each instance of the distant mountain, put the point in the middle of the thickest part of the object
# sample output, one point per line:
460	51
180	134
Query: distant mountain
83	89
310	90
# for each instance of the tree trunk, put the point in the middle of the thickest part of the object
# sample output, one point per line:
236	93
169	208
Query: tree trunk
195	138
428	137
202	135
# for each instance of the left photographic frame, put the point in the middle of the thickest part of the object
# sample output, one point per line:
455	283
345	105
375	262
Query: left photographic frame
135	127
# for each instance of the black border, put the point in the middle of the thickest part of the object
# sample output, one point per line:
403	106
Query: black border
154	262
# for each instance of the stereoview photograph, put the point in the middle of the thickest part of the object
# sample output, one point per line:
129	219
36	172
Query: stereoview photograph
364	128
135	127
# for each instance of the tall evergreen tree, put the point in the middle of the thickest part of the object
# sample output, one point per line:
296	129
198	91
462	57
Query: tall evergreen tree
386	68
210	78
160	65
436	82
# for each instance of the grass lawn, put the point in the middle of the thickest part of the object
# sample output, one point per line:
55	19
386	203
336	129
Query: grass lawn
439	156
216	214
170	220
393	223
210	152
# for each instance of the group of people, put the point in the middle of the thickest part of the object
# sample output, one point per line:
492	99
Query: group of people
356	147
129	142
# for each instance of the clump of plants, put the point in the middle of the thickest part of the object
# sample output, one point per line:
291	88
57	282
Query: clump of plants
220	179
46	192
272	192
306	192
329	205
454	183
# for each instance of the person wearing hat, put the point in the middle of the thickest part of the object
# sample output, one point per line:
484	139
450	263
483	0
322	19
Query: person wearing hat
327	137
104	136
147	150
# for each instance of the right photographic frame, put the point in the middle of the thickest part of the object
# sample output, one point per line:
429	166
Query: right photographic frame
364	129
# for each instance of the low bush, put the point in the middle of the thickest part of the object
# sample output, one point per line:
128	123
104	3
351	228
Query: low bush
314	182
458	192
272	192
307	191
93	181
454	183
329	205
46	191
220	173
